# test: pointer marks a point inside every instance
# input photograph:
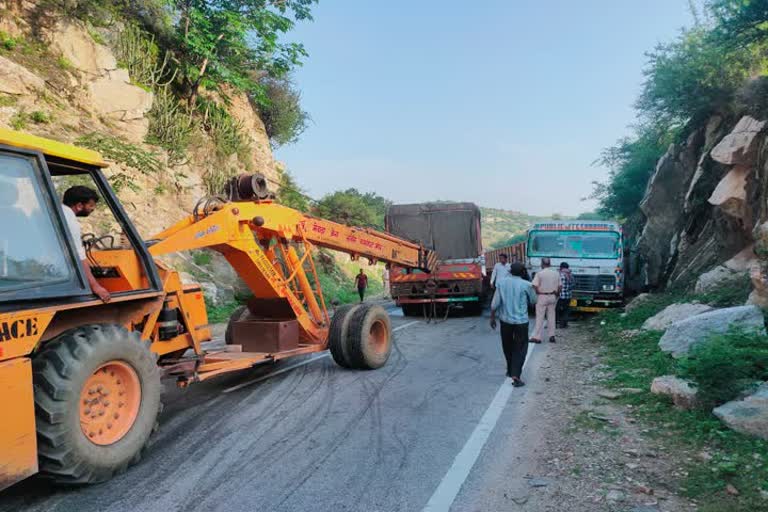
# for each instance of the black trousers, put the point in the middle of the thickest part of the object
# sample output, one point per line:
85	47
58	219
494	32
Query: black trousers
514	341
361	291
563	311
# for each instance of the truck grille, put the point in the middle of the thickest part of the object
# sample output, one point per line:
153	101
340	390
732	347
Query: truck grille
592	283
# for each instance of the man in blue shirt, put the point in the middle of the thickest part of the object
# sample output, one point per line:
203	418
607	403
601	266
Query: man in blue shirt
511	301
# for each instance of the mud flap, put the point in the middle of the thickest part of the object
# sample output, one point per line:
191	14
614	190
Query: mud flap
18	443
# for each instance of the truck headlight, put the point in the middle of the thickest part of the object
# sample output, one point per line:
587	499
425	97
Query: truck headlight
609	287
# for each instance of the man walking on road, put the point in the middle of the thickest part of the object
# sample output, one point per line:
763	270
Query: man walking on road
547	286
500	270
361	281
511	299
566	293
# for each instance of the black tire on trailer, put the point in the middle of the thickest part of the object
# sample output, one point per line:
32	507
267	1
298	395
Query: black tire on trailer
369	339
97	401
337	334
232	318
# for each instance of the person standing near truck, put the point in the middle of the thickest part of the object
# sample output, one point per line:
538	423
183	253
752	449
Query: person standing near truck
361	281
511	300
500	270
547	285
566	293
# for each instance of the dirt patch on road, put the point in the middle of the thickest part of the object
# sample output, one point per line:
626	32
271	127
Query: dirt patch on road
595	455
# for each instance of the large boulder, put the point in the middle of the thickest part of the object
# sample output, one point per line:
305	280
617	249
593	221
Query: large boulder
748	416
717	278
681	336
642	298
730	195
739	146
674	313
75	44
681	391
18	80
115	97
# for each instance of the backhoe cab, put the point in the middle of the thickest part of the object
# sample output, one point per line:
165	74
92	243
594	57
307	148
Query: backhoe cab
80	378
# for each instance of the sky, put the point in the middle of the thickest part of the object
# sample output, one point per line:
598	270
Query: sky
504	103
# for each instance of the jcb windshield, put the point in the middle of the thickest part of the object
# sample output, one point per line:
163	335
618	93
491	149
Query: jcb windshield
573	244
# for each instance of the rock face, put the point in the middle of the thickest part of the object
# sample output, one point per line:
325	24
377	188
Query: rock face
702	203
716	278
114	96
17	80
739	146
748	416
674	313
730	195
81	51
681	336
681	391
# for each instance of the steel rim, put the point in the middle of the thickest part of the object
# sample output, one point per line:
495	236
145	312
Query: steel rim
109	402
379	336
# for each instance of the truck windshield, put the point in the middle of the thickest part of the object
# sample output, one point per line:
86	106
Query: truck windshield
573	244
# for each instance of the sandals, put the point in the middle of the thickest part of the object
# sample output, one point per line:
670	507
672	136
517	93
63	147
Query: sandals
517	382
534	340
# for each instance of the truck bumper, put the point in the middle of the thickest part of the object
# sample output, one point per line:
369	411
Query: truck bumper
595	304
444	300
18	443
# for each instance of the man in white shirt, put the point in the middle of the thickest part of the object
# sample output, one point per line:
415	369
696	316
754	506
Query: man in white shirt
500	270
80	201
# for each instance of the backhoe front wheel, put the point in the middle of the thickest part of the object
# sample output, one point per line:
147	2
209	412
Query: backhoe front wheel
97	398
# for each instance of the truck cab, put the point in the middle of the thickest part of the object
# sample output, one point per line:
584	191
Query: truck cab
594	253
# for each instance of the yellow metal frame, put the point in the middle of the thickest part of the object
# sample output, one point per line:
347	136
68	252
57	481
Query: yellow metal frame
51	148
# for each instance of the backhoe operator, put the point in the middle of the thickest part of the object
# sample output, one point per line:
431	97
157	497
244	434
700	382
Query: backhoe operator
80	201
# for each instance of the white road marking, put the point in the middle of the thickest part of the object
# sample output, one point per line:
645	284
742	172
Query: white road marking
450	485
297	365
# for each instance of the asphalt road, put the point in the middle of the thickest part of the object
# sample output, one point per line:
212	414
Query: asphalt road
422	430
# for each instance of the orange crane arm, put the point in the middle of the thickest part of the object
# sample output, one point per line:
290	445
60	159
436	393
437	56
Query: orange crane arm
260	240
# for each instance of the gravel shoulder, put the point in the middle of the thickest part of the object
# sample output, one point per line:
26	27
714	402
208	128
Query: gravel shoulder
566	445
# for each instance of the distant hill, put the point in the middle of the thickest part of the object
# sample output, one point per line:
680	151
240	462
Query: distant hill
503	227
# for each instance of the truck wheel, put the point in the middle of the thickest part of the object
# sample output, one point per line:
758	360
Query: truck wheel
235	316
369	340
97	398
337	335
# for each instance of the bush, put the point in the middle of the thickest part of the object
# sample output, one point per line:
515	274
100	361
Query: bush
280	110
290	194
693	77
725	365
171	126
354	208
632	162
121	151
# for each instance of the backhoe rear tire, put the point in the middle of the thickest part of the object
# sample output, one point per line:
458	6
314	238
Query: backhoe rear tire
97	399
338	334
369	339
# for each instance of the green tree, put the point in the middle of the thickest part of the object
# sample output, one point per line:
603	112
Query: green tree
345	208
235	42
281	111
353	207
290	194
632	162
692	78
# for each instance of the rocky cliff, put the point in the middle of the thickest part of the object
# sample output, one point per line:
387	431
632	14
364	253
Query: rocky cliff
62	79
704	217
